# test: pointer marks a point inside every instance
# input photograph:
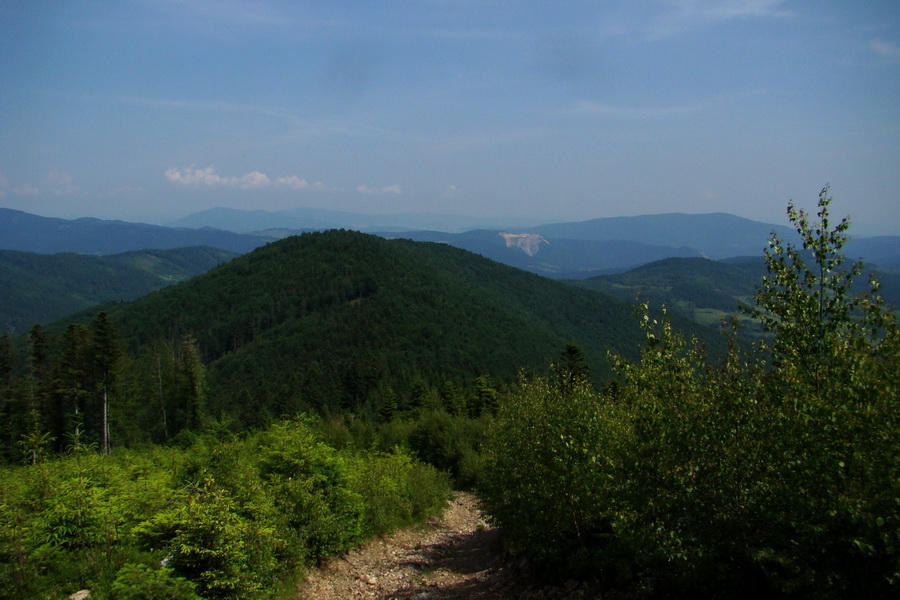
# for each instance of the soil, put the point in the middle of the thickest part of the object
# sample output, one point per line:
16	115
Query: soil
453	557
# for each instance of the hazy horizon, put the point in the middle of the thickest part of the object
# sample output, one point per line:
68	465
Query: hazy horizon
153	110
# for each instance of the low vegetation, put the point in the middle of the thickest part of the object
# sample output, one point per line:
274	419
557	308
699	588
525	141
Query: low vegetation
219	516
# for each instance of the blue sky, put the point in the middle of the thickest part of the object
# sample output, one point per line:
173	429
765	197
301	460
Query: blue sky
154	109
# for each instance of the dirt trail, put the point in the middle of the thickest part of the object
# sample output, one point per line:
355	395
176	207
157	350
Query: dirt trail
454	556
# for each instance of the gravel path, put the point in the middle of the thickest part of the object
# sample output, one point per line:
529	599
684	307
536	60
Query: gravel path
453	557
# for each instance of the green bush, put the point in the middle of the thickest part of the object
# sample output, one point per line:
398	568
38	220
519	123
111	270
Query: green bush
397	490
450	443
207	543
140	582
549	460
310	483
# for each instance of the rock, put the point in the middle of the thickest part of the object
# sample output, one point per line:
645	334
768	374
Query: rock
80	595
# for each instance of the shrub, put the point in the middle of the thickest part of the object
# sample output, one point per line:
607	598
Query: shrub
397	490
140	582
548	463
310	483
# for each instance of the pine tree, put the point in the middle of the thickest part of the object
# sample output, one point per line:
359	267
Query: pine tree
388	408
73	369
192	392
571	368
106	353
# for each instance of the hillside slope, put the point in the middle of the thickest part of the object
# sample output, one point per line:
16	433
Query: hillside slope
329	320
39	288
707	291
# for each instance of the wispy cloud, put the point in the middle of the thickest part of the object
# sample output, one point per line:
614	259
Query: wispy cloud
597	109
26	189
677	16
388	189
590	108
209	106
61	184
295	183
888	50
236	13
254	180
55	183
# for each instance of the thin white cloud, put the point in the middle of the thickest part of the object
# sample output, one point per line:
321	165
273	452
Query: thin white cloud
885	49
678	16
26	189
254	180
55	183
61	184
597	109
209	106
296	183
589	108
388	189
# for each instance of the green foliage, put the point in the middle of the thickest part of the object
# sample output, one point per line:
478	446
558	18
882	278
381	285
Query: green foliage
398	490
207	540
140	582
449	442
225	517
311	484
774	472
548	461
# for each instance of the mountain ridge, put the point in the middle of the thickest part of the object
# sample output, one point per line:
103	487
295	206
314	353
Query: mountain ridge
88	235
335	318
572	249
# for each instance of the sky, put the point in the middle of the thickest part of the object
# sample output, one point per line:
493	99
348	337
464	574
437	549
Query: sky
149	110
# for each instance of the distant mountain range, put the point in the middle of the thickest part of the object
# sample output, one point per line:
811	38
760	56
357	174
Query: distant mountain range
315	219
45	235
561	250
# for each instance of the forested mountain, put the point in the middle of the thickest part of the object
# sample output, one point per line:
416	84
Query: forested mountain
700	289
31	233
39	288
706	291
330	321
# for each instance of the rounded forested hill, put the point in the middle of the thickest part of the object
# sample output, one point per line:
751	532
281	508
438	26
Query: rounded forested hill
329	320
